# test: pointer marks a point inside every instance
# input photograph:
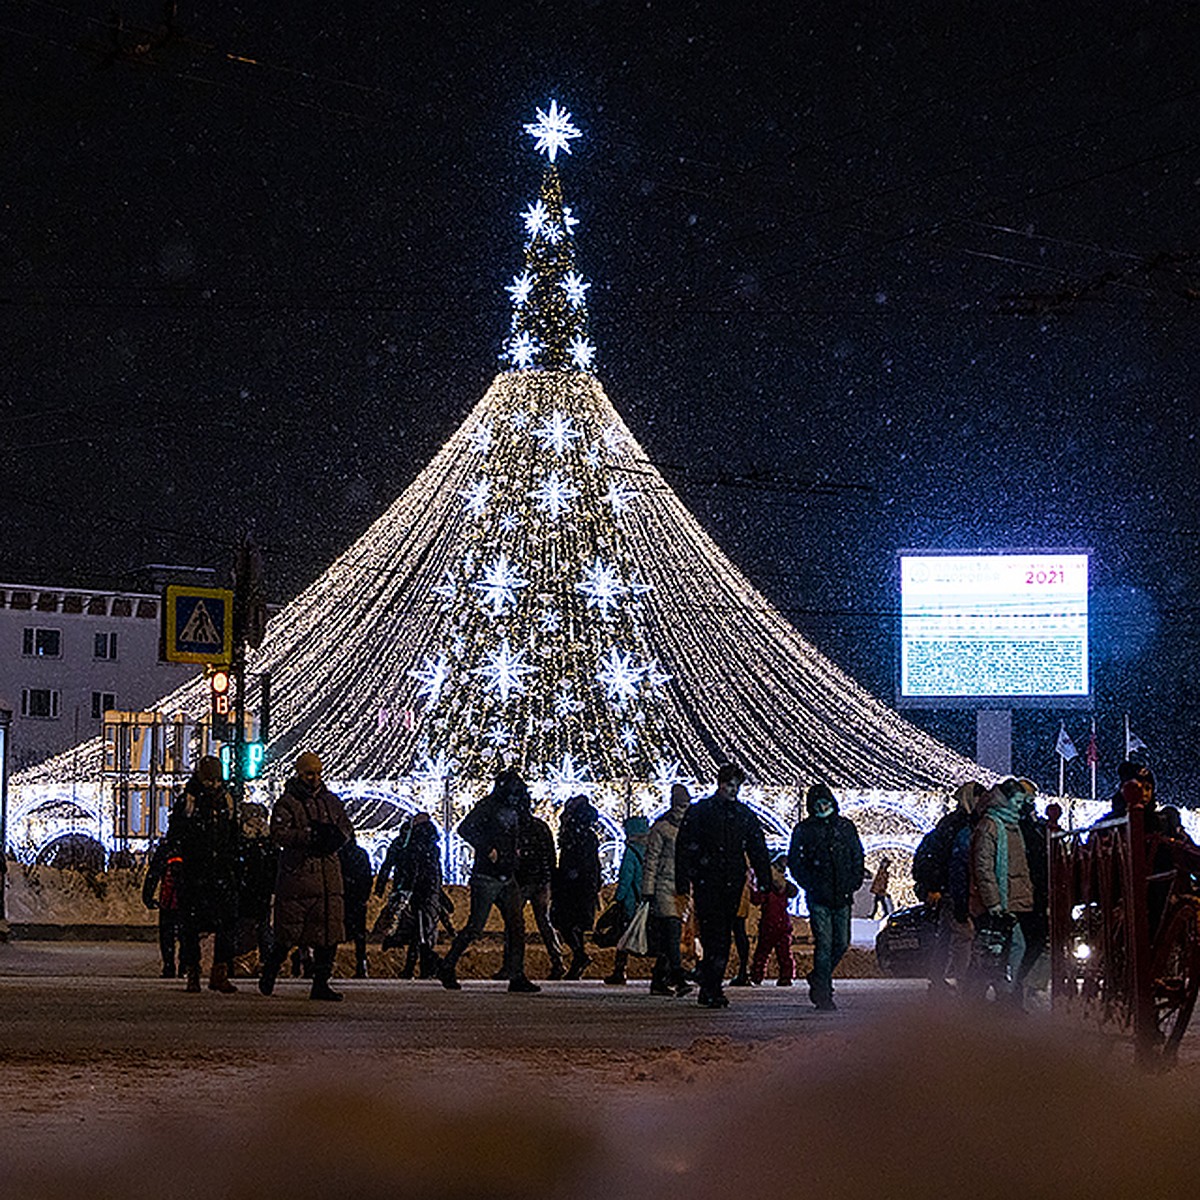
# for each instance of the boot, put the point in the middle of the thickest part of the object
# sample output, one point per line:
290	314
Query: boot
218	979
168	969
320	986
579	964
267	976
557	970
617	978
360	969
520	983
431	965
193	978
449	977
658	982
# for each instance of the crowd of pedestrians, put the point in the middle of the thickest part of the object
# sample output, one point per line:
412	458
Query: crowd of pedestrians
298	880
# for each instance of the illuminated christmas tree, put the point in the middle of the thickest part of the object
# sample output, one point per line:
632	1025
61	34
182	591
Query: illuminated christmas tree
539	596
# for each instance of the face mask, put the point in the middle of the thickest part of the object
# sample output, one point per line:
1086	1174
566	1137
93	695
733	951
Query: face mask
823	811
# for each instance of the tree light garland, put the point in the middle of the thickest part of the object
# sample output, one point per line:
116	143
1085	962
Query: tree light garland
539	597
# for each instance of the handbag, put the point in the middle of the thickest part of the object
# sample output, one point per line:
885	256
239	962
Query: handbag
636	938
610	924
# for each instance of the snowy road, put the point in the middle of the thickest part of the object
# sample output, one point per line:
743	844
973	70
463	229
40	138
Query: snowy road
122	1084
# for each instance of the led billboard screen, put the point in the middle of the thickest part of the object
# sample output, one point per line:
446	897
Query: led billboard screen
1004	626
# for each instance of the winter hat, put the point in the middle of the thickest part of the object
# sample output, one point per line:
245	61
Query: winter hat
308	761
680	796
636	828
966	795
208	769
818	793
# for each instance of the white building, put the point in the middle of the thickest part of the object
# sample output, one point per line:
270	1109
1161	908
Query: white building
67	655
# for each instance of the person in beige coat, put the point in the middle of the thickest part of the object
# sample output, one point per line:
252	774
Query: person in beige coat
658	886
1001	889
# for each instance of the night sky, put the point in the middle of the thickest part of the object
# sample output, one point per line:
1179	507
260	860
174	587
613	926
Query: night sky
867	278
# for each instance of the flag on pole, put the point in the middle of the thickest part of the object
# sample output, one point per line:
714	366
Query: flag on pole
1065	748
1133	742
1093	756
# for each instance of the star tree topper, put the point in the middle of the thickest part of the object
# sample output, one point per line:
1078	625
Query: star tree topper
552	131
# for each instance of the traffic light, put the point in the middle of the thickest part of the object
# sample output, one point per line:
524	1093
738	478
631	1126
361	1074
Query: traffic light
218	687
253	754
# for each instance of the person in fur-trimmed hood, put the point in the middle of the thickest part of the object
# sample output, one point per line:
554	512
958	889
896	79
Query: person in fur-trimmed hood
826	860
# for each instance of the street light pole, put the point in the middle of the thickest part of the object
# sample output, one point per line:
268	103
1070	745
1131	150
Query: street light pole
5	726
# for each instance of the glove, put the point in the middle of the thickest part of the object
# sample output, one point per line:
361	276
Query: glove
150	902
996	910
325	838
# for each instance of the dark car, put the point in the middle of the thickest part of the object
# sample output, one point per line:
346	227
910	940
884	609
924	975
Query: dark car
904	944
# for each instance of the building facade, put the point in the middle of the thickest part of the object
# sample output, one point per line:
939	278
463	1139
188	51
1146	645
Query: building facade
67	655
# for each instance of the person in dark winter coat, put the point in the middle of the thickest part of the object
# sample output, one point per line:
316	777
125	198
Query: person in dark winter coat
717	837
416	896
576	890
826	860
535	874
941	875
162	875
629	885
775	926
258	863
495	829
310	826
203	832
356	891
658	887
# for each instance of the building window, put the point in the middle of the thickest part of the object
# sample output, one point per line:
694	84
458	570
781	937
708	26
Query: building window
106	645
40	702
102	702
41	643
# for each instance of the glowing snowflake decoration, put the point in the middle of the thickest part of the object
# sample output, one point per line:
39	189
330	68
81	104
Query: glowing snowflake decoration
523	350
591	456
519	419
499	586
432	677
552	232
669	771
558	433
582	353
619	676
637	587
552	131
619	496
509	523
565	700
568	778
535	217
481	437
497	735
435	768
520	288
504	671
614	437
628	738
575	287
554	495
448	589
656	678
602	587
475	497
569	222
550	621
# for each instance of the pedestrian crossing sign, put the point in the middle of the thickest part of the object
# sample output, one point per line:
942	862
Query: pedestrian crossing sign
198	625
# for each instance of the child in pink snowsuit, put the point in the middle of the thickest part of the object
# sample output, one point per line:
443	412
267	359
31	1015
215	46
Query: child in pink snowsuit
775	927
